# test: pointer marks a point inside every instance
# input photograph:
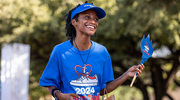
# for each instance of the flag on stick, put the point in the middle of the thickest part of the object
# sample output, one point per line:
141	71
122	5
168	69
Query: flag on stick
147	51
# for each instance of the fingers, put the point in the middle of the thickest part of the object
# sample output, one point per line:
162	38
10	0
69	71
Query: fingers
74	95
69	96
139	72
135	69
141	67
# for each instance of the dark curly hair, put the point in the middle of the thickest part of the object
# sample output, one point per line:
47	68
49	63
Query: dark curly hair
70	30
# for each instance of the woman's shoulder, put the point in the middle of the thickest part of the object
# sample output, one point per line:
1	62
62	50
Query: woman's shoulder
62	45
99	47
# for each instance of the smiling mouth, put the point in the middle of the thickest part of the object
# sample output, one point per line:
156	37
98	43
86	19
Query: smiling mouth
91	27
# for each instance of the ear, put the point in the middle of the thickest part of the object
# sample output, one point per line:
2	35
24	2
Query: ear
73	22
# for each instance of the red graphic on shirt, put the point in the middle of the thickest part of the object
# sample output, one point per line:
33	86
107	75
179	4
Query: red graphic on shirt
84	78
83	70
89	97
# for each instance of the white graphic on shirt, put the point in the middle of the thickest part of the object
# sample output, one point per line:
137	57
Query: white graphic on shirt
85	79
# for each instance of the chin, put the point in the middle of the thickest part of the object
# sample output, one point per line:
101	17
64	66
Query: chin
91	34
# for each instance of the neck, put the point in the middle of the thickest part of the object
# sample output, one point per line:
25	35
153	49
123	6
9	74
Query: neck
82	44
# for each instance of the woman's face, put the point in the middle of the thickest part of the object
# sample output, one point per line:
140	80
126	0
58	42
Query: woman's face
87	23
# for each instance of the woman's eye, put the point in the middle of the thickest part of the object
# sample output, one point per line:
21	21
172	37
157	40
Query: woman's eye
87	17
96	19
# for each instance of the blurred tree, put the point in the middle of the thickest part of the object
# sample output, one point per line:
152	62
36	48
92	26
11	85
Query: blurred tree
122	30
40	23
32	22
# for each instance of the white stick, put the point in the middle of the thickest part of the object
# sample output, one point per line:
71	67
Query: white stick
134	78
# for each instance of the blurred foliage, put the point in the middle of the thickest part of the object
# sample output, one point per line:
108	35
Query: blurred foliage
40	23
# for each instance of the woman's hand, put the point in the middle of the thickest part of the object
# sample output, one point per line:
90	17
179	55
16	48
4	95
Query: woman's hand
110	86
135	69
63	96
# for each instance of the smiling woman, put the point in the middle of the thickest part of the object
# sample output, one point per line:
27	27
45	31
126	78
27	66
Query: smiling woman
87	23
79	67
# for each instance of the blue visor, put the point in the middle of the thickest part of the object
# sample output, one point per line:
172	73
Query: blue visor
87	6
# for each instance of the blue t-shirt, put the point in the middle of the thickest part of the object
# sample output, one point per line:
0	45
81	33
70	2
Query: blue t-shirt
66	70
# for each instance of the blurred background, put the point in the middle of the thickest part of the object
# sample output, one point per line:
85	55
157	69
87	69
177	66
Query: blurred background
41	23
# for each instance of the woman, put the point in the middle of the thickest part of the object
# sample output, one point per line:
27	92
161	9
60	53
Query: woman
80	69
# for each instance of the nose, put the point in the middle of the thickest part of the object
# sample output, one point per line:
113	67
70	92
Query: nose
93	20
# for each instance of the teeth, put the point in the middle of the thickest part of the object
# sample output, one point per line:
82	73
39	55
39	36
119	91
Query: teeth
90	26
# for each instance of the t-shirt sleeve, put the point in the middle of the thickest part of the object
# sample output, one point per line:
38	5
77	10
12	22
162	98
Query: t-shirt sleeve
51	74
107	72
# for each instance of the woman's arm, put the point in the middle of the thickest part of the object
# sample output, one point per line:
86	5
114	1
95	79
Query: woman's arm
129	73
60	95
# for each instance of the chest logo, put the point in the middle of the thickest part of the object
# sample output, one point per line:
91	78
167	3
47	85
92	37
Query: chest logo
84	78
